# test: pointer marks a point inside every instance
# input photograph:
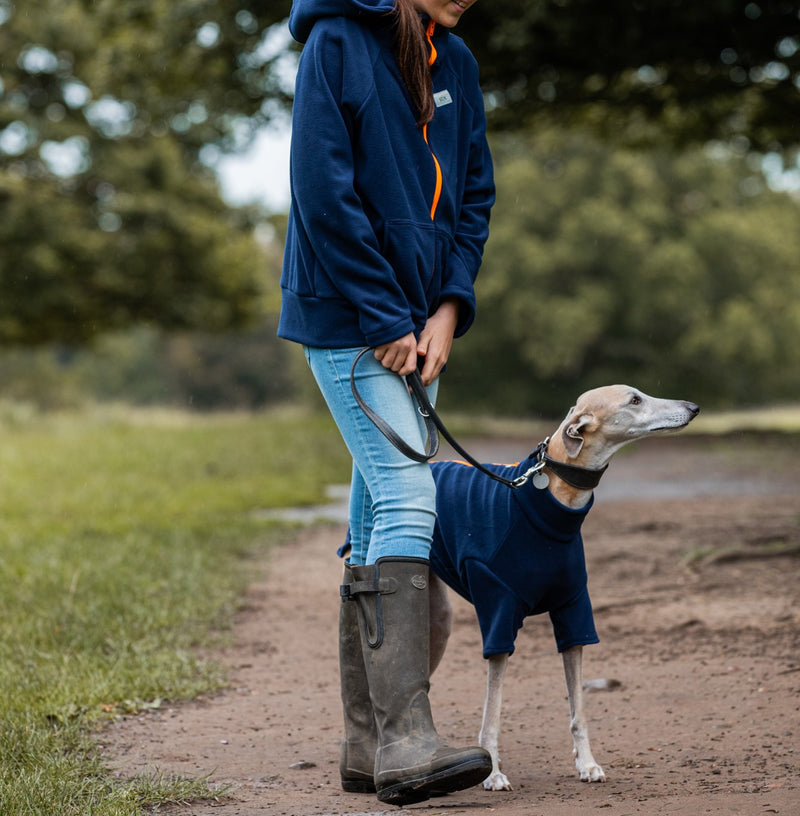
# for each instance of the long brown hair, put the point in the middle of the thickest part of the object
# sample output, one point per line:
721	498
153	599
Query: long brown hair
412	58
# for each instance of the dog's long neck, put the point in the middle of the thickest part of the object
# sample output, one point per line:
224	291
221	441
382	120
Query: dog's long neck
592	457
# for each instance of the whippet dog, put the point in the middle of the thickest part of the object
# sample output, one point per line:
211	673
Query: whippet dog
517	552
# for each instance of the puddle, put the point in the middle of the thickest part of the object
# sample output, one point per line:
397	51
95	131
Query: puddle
334	511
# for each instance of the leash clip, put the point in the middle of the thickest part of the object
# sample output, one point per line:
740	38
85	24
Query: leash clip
540	451
525	477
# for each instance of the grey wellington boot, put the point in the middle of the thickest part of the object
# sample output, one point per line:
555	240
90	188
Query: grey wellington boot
412	762
357	759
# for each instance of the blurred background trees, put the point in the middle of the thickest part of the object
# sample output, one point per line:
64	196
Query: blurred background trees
674	272
644	71
645	228
110	216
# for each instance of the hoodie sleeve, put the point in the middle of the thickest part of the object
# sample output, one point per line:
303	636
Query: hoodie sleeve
325	200
472	229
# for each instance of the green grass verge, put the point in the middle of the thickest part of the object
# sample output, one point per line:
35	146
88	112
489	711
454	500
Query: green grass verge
124	541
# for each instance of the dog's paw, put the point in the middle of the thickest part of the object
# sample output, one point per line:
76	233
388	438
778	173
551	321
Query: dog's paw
497	781
591	772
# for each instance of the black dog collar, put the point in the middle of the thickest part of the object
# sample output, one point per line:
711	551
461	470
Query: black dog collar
578	477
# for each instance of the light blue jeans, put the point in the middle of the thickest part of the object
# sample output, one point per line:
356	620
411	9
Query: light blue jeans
392	498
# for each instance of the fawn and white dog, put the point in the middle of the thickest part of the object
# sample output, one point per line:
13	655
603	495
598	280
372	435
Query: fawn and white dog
516	552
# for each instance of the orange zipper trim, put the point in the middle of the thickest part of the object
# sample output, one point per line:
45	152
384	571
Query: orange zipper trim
429	34
438	189
437	193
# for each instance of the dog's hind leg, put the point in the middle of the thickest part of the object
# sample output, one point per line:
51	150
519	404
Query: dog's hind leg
490	728
588	769
441	611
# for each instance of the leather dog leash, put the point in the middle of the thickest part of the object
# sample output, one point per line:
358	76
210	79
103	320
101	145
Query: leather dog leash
578	477
432	445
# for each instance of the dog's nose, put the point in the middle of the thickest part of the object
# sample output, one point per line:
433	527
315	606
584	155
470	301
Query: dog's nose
693	409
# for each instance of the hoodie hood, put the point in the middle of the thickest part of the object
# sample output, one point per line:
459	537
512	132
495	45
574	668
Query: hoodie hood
306	12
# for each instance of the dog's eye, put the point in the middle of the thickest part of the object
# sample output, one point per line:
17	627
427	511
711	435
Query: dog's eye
635	400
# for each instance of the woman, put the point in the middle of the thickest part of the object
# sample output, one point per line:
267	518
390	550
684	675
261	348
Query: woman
391	192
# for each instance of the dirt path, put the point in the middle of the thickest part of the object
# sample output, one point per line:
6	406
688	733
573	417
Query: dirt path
699	623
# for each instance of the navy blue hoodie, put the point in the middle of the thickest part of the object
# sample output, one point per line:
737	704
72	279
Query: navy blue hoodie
387	219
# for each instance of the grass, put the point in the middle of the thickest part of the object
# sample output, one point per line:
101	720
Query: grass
123	550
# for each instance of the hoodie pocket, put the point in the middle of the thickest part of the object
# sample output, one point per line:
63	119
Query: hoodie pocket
415	252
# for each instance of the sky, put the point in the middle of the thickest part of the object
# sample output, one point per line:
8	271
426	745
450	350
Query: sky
259	174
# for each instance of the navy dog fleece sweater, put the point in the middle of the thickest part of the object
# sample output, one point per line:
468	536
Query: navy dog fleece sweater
511	553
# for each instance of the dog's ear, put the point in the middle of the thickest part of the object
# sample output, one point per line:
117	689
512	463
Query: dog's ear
572	435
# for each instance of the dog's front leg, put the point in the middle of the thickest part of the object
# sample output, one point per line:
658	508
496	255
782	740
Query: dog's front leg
588	769
490	727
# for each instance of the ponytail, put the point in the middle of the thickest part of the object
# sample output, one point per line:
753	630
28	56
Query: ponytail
412	58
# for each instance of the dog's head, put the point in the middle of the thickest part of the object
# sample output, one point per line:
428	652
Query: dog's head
614	415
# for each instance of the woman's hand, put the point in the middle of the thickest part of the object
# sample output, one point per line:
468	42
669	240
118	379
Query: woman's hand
434	345
436	340
399	356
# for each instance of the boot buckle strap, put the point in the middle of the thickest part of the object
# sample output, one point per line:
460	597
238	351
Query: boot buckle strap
382	586
375	587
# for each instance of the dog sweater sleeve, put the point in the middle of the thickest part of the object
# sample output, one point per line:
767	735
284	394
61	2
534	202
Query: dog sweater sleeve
573	624
500	613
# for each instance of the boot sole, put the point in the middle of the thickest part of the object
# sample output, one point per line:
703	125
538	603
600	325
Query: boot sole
453	778
358	786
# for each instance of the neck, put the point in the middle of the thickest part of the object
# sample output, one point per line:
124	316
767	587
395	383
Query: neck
570	494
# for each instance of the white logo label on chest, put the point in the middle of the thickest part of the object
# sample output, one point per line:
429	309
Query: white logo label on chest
442	98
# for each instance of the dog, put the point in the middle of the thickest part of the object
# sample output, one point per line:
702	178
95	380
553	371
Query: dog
517	552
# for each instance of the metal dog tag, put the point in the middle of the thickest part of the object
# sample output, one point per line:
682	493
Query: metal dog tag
541	481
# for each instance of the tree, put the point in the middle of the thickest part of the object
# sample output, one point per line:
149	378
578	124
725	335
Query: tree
644	72
679	274
144	365
109	217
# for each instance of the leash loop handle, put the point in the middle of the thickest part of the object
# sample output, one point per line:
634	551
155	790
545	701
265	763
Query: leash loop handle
432	443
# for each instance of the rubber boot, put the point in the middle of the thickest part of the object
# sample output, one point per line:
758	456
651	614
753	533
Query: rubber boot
357	759
412	762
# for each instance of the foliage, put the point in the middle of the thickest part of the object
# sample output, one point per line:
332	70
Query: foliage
240	369
123	547
652	71
109	217
172	253
227	371
678	274
196	69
